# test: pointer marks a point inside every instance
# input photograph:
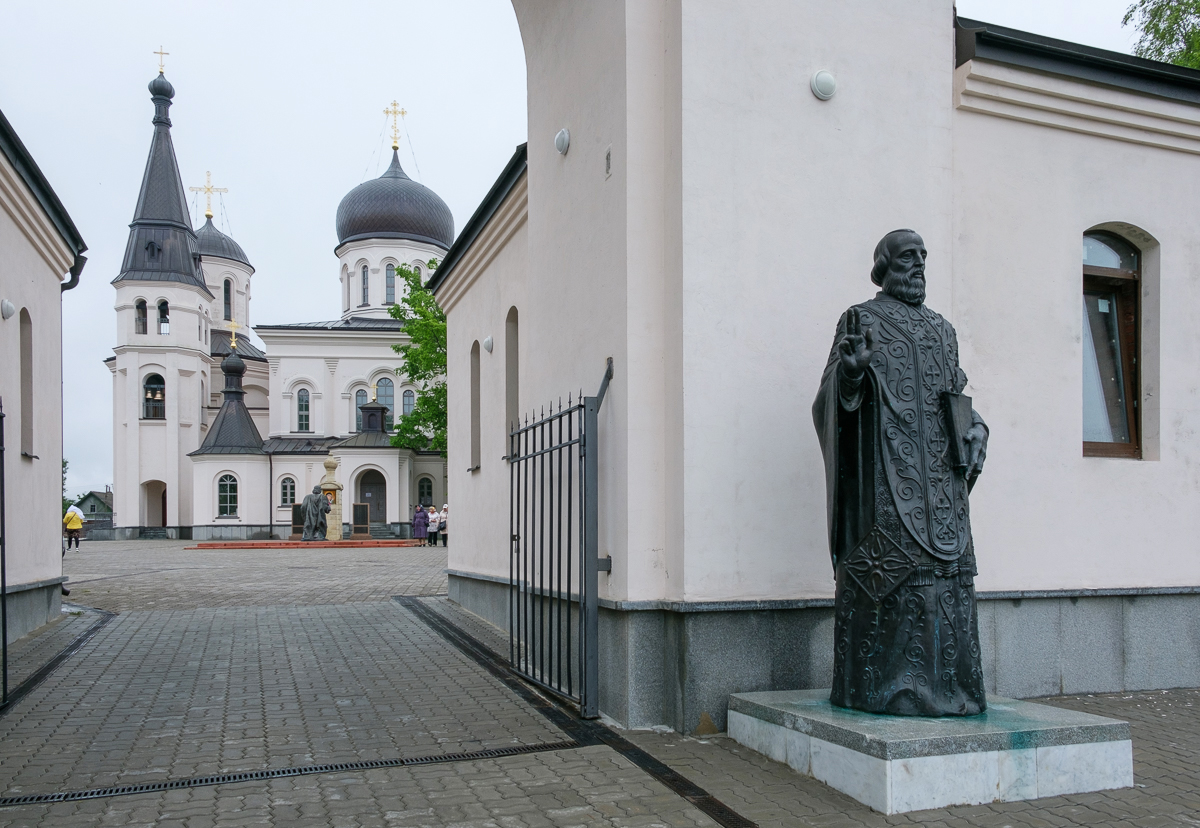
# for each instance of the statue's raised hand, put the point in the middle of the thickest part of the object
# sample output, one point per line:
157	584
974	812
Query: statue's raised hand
855	347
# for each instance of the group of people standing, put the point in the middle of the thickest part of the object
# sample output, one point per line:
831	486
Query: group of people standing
428	524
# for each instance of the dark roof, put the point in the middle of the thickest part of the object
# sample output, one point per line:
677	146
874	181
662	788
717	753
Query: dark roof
353	323
246	349
298	445
162	246
27	168
212	242
233	430
975	39
394	206
365	439
105	498
512	173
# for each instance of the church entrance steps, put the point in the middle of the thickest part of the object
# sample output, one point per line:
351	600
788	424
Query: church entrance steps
290	544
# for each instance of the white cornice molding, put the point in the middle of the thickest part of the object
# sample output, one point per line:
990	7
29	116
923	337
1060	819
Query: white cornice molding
509	217
1061	103
28	215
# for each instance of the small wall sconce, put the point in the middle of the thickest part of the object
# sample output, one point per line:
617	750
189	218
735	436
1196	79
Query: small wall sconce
823	84
7	309
562	141
487	344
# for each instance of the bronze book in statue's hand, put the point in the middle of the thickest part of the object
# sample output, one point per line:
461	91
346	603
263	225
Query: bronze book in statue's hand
958	423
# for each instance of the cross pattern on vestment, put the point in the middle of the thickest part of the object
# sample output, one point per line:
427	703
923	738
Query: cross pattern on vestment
161	54
395	111
208	189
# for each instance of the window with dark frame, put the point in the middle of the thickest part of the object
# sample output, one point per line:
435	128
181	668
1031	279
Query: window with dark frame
228	300
410	400
360	399
366	293
154	398
164	318
1111	346
227	496
385	393
302	410
139	316
391	284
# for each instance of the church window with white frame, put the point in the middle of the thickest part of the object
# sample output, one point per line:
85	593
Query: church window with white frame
287	491
366	282
360	399
139	316
154	398
385	393
410	400
1111	334
391	285
302	410
227	496
228	300
164	318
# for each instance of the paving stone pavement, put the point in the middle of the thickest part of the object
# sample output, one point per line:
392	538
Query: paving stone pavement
222	661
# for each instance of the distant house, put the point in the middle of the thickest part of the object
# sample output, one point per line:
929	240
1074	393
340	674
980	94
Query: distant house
97	509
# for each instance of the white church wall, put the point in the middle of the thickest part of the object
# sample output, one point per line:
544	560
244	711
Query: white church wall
376	254
33	263
1045	516
252	475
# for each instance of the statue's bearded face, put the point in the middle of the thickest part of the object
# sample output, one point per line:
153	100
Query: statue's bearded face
905	277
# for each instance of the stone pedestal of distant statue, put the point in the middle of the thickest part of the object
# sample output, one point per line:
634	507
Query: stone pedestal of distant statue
333	490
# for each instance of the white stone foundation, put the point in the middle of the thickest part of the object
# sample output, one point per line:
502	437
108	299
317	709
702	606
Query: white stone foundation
895	764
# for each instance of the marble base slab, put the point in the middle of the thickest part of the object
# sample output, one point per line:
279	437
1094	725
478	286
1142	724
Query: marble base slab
895	764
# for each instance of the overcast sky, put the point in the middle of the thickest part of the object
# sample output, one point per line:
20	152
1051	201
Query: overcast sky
284	104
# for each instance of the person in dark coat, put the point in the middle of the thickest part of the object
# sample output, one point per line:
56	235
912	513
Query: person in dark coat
420	524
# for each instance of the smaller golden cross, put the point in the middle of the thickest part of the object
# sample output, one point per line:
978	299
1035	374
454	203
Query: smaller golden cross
396	112
208	189
233	328
161	54
374	392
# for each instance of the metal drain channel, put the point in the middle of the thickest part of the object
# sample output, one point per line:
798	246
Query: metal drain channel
279	773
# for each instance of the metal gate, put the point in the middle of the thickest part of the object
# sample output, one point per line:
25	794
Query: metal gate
553	570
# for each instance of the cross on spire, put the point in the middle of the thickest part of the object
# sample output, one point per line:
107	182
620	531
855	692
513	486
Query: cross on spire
233	329
208	189
395	111
161	54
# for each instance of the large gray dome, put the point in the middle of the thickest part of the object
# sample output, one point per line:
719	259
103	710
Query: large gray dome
394	206
212	242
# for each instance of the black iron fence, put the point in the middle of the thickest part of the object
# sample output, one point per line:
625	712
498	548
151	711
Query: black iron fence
553	607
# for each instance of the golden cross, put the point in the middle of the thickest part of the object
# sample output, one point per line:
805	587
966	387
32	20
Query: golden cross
161	54
233	328
374	392
208	189
396	112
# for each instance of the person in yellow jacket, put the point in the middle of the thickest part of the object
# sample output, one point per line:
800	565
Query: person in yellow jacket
73	523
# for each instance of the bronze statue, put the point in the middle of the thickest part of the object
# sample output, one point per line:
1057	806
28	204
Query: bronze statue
902	449
315	507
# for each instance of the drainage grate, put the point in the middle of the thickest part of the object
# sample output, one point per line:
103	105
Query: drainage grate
279	773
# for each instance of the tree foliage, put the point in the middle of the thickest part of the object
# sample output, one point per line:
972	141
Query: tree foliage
1169	29
424	364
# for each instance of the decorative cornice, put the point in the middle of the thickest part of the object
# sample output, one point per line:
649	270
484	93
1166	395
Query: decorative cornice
1020	94
27	213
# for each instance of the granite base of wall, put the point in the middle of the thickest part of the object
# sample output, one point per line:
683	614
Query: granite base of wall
676	663
32	605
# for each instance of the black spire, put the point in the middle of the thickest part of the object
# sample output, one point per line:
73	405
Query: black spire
162	245
233	430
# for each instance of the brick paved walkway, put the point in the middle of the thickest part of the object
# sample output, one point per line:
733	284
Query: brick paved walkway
221	662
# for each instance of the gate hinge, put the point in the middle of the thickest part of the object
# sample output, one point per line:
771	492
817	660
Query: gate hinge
604	564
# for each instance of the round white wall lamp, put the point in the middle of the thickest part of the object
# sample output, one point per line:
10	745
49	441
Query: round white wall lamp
487	344
823	84
562	141
7	308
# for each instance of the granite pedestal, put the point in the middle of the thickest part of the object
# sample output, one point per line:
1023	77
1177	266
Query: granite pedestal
894	764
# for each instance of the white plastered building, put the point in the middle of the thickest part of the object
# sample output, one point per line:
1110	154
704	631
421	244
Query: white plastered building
204	453
710	221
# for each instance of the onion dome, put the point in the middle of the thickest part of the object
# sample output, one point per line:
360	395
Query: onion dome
213	242
160	87
233	430
394	206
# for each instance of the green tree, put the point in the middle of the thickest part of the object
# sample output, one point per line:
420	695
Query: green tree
424	364
1169	29
66	500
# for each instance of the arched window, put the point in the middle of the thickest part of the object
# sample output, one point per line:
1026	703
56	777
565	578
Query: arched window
302	410
154	398
287	491
425	491
200	324
410	400
227	496
139	316
385	392
207	323
360	399
417	270
27	384
1111	322
203	402
391	285
228	299
365	286
164	317
512	369
476	453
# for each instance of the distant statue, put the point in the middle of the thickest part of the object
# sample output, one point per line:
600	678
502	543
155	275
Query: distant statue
902	449
315	507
